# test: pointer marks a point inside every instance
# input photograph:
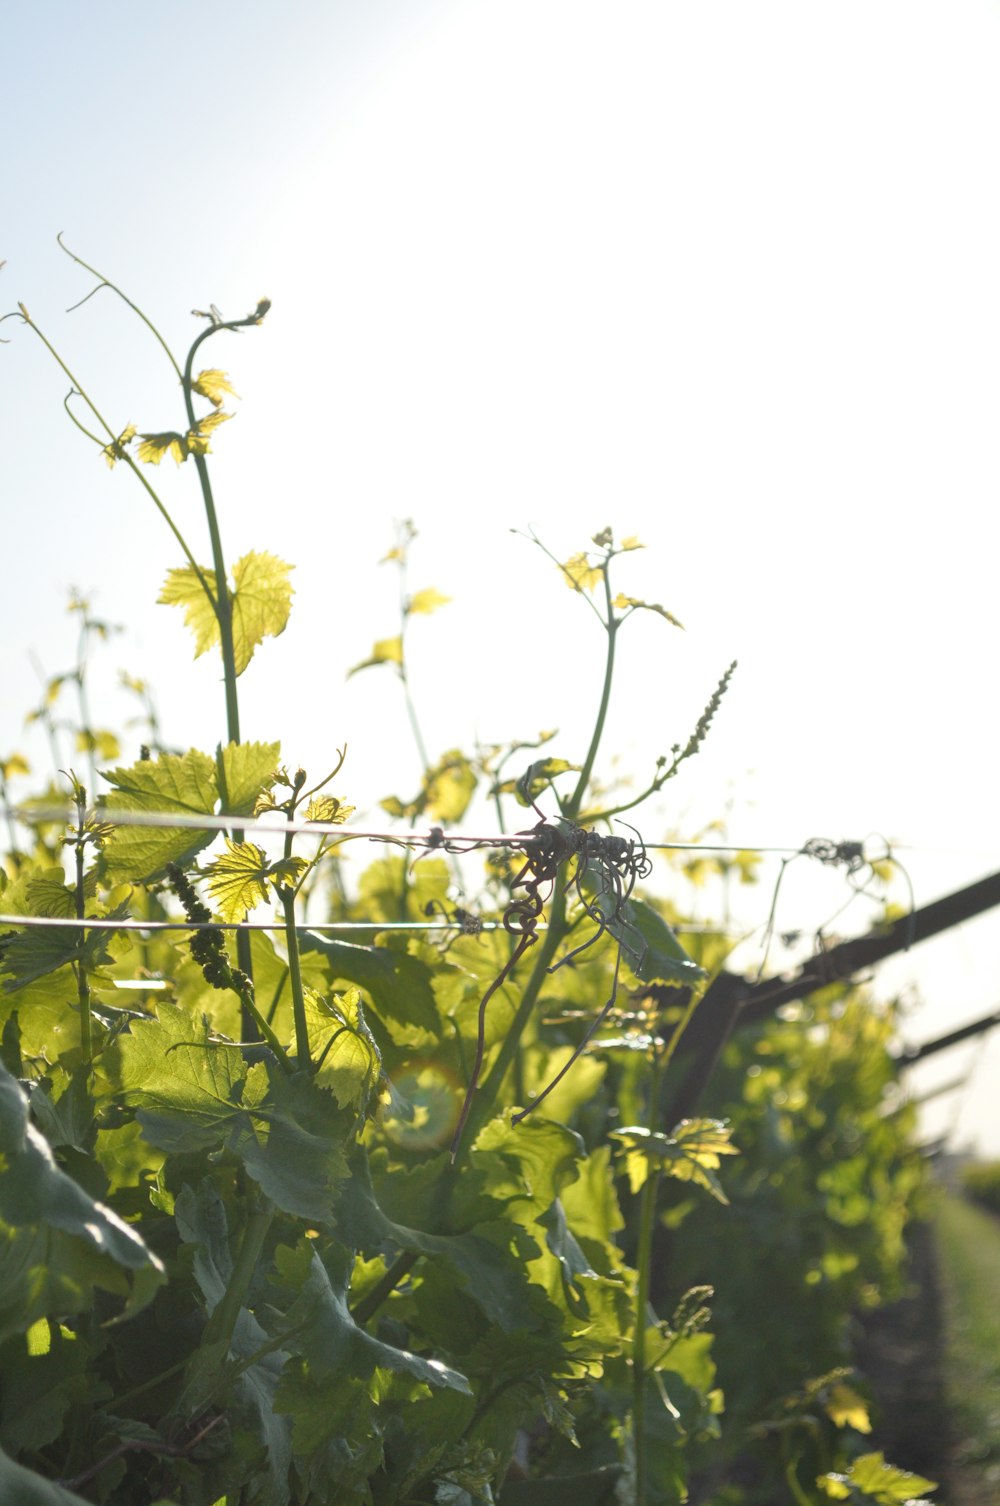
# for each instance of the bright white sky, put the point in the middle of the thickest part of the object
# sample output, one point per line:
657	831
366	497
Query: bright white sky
720	275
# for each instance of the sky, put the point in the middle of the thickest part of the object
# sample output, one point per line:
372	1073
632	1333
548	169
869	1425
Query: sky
721	276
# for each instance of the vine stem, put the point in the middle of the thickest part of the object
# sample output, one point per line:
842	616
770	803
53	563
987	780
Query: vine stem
220	1326
490	1090
82	986
223	605
611	626
287	895
644	1263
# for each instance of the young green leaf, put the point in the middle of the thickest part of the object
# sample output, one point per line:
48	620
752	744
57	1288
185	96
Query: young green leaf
579	574
426	601
214	385
261	603
183	588
384	651
238	879
198	437
247	770
329	809
690	1154
168	442
872	1482
115	451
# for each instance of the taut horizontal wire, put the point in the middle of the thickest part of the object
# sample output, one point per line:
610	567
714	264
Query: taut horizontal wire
434	839
76	923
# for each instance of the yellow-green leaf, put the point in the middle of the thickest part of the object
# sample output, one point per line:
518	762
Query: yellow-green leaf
690	1154
15	764
580	574
328	808
449	788
846	1409
261	603
196	439
237	881
632	542
213	384
182	588
155	446
426	601
115	450
384	651
247	770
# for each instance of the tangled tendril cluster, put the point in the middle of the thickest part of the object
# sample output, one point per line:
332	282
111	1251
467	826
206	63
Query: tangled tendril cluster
603	873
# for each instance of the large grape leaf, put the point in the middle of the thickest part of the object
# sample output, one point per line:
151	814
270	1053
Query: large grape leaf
492	1277
399	985
328	1336
193	1093
54	1237
260	602
182	784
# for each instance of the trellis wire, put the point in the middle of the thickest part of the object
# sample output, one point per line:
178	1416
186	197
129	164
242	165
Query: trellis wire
83	923
435	838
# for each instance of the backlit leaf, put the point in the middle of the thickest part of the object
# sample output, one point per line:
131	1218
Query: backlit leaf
247	770
579	574
183	588
183	783
261	604
155	446
870	1479
343	1047
384	651
115	450
846	1409
214	385
690	1154
238	879
449	787
329	809
399	985
193	1093
426	601
196	440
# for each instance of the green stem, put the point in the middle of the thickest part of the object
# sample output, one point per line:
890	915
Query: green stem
295	979
219	1328
223	605
644	1265
489	1092
611	624
384	1287
82	985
